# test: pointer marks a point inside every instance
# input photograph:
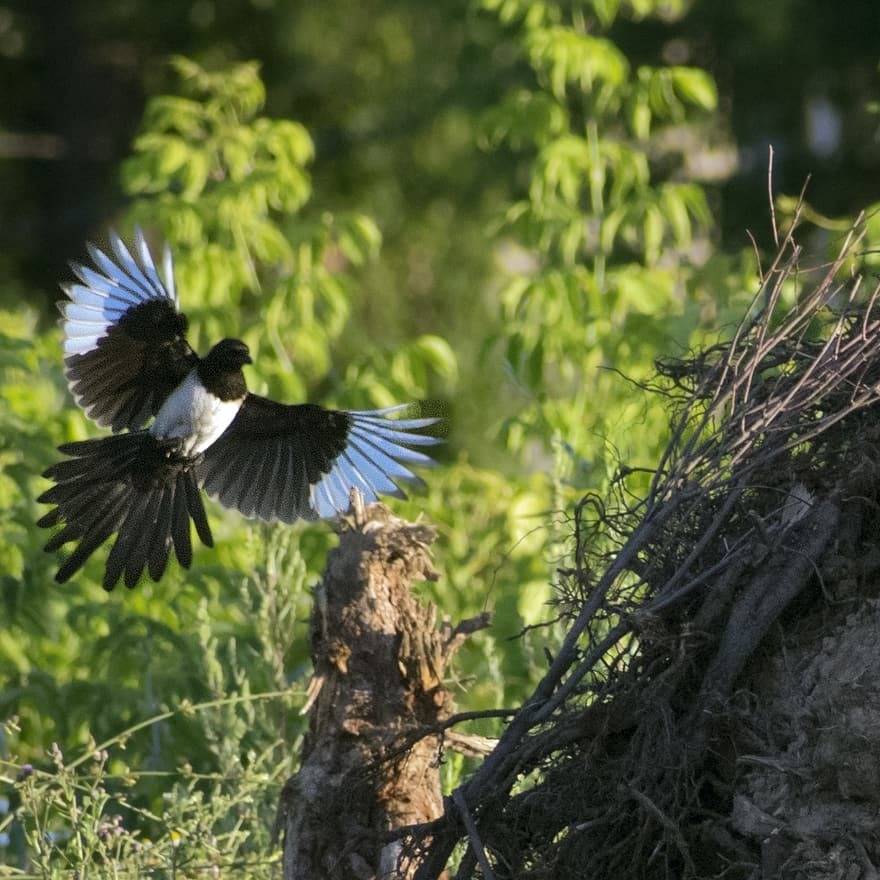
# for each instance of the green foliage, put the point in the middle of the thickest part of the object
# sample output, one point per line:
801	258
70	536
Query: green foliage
28	390
209	655
594	264
227	186
490	555
82	817
607	239
193	786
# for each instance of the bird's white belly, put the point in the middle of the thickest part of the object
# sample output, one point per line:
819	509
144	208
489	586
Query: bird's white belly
194	415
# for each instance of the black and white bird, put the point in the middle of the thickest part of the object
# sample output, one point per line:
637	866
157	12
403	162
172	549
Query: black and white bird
127	361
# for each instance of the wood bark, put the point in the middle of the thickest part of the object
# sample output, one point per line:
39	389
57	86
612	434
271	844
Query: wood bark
370	761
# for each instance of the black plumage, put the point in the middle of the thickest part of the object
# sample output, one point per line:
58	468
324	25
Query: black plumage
127	361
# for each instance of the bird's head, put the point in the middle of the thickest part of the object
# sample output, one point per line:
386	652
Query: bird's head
229	354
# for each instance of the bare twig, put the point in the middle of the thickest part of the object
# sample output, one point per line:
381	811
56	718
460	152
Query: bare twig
770	198
473	834
674	831
706	565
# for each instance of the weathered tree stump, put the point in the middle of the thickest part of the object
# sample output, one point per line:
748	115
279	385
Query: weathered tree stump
370	761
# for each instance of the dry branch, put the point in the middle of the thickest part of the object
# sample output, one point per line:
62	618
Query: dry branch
377	705
775	453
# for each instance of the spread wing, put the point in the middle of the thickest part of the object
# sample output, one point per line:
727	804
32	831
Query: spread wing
124	340
282	462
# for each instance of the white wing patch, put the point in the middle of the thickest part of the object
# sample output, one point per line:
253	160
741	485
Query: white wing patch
376	456
102	298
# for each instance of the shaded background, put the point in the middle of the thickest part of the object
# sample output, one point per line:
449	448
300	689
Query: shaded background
388	90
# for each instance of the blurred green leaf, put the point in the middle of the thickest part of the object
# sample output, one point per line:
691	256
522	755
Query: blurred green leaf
695	86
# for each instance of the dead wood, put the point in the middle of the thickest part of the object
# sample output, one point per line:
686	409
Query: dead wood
770	483
377	706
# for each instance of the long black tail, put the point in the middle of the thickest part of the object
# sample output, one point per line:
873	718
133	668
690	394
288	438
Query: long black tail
130	484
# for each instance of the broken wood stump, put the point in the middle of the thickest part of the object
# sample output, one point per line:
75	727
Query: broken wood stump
370	761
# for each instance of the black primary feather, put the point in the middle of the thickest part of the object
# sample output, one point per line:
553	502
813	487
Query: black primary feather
127	361
132	485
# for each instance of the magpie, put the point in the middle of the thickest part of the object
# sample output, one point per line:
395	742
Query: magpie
127	362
